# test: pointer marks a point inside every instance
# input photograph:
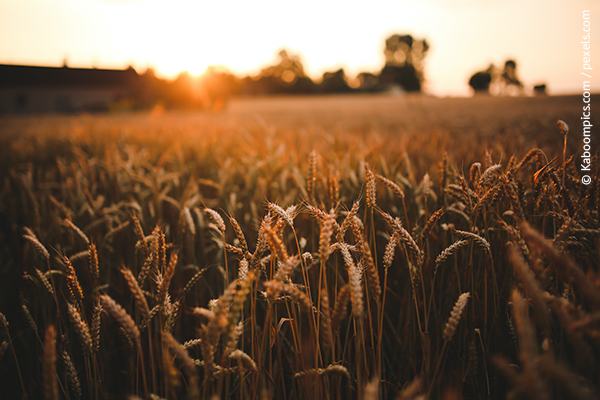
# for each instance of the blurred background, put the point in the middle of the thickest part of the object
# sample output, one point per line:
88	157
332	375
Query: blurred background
199	53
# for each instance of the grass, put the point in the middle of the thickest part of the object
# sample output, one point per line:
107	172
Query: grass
334	248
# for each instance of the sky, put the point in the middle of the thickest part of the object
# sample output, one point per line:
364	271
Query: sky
543	36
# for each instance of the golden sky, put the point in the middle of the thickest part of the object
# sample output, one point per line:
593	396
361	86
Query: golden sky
174	35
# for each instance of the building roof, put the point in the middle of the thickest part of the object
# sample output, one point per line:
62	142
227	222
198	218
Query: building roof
21	75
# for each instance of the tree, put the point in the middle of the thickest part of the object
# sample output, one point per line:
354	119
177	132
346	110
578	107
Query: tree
540	89
404	62
480	81
287	76
511	83
218	86
498	82
334	82
367	81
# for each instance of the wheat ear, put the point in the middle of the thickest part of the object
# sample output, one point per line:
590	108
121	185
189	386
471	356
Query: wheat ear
455	315
312	174
325	236
371	187
72	281
39	247
136	292
81	327
166	279
333	369
68	223
122	318
372	273
189	367
71	373
217	219
341	306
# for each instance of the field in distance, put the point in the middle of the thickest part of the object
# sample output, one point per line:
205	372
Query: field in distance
358	247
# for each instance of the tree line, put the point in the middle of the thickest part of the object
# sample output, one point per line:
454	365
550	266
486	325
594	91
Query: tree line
403	71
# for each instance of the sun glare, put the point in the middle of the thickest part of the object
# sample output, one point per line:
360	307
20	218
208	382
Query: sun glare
174	66
190	36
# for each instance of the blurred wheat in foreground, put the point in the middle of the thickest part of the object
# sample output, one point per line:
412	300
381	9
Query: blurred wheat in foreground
241	266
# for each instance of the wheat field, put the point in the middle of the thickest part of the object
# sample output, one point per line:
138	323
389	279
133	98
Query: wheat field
365	247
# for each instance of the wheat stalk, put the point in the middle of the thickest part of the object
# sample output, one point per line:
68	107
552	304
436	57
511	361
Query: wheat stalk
149	263
455	315
477	239
110	234
39	247
489	174
45	281
334	190
243	359
240	236
312	174
325	322
122	318
371	187
194	280
435	217
276	244
187	216
341	305
68	223
349	219
4	326
562	263
356	291
163	288
136	291
217	219
139	231
282	214
274	288
285	268
325	236
160	250
186	361
72	281
71	373
81	328
372	273
95	326
474	171
532	288
392	186
49	365
330	370
448	251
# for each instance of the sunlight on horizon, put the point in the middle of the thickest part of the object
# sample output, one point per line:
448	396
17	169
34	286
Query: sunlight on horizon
190	35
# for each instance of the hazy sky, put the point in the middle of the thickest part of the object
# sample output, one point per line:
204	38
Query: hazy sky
543	36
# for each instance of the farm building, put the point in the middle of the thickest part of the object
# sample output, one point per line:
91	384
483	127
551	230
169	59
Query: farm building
32	89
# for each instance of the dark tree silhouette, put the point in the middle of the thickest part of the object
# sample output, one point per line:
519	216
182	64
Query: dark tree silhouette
404	62
287	76
499	82
367	81
480	81
511	83
334	82
540	90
